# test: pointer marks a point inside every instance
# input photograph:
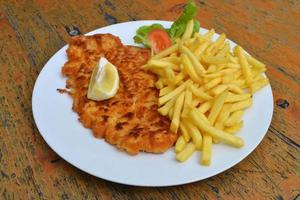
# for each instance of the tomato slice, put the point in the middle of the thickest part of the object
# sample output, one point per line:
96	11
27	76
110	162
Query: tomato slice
159	40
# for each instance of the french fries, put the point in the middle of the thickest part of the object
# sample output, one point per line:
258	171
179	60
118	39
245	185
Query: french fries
237	97
234	128
198	66
212	83
234	118
214	132
176	113
162	100
164	110
223	116
189	69
166	90
187	103
218	90
207	148
180	144
200	49
184	132
216	107
195	134
204	89
203	108
186	152
244	64
255	63
241	105
198	92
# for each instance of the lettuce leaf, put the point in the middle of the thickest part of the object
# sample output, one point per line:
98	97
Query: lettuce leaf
196	26
142	33
178	27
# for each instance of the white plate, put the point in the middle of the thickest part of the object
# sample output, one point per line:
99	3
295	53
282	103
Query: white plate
60	128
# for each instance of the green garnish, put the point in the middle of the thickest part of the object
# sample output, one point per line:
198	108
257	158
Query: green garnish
178	27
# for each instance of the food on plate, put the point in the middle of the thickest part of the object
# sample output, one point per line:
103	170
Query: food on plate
129	120
204	89
188	89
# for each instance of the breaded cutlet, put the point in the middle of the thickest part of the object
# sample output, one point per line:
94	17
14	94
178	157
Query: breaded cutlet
129	120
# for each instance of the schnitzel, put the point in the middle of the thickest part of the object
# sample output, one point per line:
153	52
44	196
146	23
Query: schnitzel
129	120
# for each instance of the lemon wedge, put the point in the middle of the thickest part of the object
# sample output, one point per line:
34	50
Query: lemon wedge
104	82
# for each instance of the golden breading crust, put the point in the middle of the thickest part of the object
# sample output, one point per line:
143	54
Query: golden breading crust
130	119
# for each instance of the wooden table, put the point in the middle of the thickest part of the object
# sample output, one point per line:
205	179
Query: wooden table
32	31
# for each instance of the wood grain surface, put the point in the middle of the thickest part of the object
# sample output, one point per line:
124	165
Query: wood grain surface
32	31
